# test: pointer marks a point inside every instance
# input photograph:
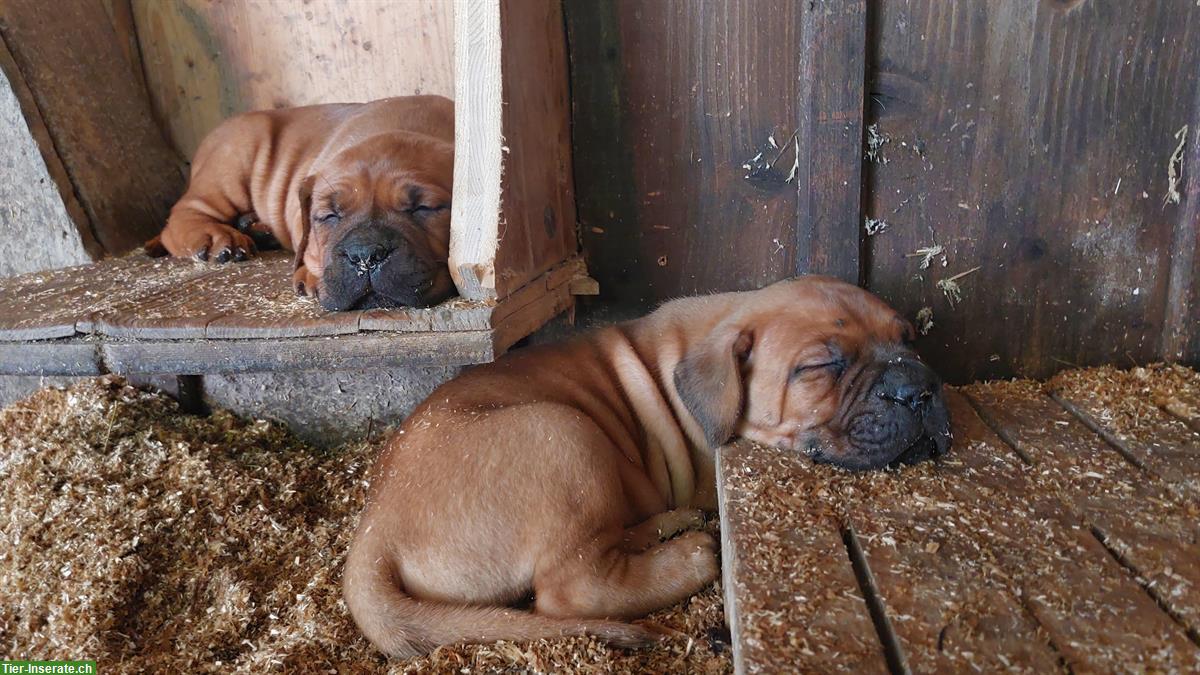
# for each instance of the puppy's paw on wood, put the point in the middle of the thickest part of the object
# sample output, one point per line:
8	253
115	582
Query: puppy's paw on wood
305	282
209	241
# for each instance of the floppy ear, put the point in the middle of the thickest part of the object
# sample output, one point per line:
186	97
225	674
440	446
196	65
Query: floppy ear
305	193
709	381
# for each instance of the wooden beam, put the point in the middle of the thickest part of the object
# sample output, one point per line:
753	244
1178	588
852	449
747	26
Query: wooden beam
97	115
829	141
514	207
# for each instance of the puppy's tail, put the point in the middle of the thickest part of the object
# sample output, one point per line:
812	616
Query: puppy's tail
401	626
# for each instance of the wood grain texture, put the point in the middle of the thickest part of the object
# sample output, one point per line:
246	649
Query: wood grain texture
54	357
991	559
63	302
97	115
206	61
829	143
1181	337
346	352
675	104
478	91
1145	522
1030	140
238	300
537	207
514	207
791	598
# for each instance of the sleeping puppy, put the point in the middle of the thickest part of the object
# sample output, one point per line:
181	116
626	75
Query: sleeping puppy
556	470
359	191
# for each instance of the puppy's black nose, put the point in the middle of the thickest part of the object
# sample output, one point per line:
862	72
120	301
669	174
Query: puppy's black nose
909	383
366	254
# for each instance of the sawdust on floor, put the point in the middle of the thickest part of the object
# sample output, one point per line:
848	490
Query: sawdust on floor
152	540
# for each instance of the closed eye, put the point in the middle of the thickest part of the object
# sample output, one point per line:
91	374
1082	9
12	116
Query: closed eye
834	366
330	218
427	208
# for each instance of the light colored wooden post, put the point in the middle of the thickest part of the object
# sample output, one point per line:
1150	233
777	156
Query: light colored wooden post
514	202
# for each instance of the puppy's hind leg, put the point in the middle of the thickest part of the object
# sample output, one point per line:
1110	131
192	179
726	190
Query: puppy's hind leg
611	582
660	527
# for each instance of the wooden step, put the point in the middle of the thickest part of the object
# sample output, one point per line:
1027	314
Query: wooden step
1034	544
137	314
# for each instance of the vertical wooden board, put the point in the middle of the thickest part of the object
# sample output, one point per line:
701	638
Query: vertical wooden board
537	206
1030	140
206	61
1149	527
478	148
1181	330
41	225
97	116
676	105
828	145
791	597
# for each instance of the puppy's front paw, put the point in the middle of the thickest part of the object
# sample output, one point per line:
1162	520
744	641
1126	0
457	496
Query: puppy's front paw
305	282
208	241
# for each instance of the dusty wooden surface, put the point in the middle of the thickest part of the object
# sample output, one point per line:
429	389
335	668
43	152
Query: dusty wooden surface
205	61
161	315
75	59
1034	546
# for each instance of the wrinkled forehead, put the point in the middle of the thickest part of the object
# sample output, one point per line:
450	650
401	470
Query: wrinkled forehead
366	186
817	309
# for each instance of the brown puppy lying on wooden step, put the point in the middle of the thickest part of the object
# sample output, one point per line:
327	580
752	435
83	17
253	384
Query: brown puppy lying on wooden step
359	191
559	470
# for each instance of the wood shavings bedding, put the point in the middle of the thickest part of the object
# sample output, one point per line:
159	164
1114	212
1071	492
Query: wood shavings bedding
151	540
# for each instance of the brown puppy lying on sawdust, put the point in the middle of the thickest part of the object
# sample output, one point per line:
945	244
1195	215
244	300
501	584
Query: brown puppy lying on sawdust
359	191
558	470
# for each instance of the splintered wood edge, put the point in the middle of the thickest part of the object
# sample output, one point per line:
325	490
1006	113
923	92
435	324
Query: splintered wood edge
478	141
728	561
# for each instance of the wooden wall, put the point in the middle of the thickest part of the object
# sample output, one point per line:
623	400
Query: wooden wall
1030	140
206	61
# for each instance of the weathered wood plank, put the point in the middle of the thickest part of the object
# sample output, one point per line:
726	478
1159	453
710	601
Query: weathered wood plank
98	117
60	303
1122	405
684	115
976	562
516	325
42	225
829	141
791	597
1151	528
1031	140
53	357
345	352
514	207
251	299
1092	609
206	61
948	599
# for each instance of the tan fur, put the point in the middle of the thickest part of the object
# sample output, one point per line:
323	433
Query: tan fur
559	470
270	164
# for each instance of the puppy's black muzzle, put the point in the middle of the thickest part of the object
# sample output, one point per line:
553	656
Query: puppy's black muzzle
373	267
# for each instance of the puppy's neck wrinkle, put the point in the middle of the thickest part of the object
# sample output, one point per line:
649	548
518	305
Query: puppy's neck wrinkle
667	454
